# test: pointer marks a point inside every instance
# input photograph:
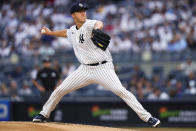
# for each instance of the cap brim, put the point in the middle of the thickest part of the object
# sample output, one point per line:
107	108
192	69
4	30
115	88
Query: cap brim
83	8
45	61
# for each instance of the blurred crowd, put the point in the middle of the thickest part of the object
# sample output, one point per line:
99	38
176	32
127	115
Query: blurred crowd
134	25
179	84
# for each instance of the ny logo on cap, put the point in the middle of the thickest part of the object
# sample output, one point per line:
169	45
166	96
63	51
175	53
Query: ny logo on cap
80	4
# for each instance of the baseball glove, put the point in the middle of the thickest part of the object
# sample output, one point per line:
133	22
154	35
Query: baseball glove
100	39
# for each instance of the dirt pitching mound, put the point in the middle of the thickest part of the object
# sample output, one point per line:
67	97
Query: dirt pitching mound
51	126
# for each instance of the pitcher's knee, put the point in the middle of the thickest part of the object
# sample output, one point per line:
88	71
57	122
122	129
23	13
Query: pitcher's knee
61	90
119	92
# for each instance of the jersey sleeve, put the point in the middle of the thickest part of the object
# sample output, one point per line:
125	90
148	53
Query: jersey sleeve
91	24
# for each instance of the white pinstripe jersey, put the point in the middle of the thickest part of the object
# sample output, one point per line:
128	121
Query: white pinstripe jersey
103	74
84	49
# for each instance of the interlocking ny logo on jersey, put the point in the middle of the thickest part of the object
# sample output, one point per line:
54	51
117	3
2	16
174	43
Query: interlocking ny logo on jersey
81	38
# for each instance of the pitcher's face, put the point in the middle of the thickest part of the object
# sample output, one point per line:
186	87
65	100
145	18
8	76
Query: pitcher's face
79	16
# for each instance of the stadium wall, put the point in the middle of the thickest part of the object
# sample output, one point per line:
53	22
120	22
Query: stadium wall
112	113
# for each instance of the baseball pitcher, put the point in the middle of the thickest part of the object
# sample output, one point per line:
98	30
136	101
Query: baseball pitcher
90	47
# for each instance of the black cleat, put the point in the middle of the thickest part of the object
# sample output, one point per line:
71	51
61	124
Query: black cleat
154	122
40	118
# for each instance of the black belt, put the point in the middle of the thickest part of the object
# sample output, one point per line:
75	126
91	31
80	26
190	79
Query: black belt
96	64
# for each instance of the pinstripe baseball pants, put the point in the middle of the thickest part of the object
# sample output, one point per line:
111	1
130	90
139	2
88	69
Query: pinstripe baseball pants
104	75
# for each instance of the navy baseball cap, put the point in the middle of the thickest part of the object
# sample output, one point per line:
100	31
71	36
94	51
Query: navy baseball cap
46	59
78	7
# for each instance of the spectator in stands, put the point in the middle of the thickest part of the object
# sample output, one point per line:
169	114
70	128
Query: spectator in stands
179	89
29	50
46	50
139	89
125	44
191	84
191	41
25	91
17	73
13	91
187	67
158	44
157	82
148	89
115	45
5	49
61	44
158	95
174	89
3	90
138	71
177	43
132	84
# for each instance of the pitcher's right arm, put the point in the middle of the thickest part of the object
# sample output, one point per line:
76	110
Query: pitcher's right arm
60	33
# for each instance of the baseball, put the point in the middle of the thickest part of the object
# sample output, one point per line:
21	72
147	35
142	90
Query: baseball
43	31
